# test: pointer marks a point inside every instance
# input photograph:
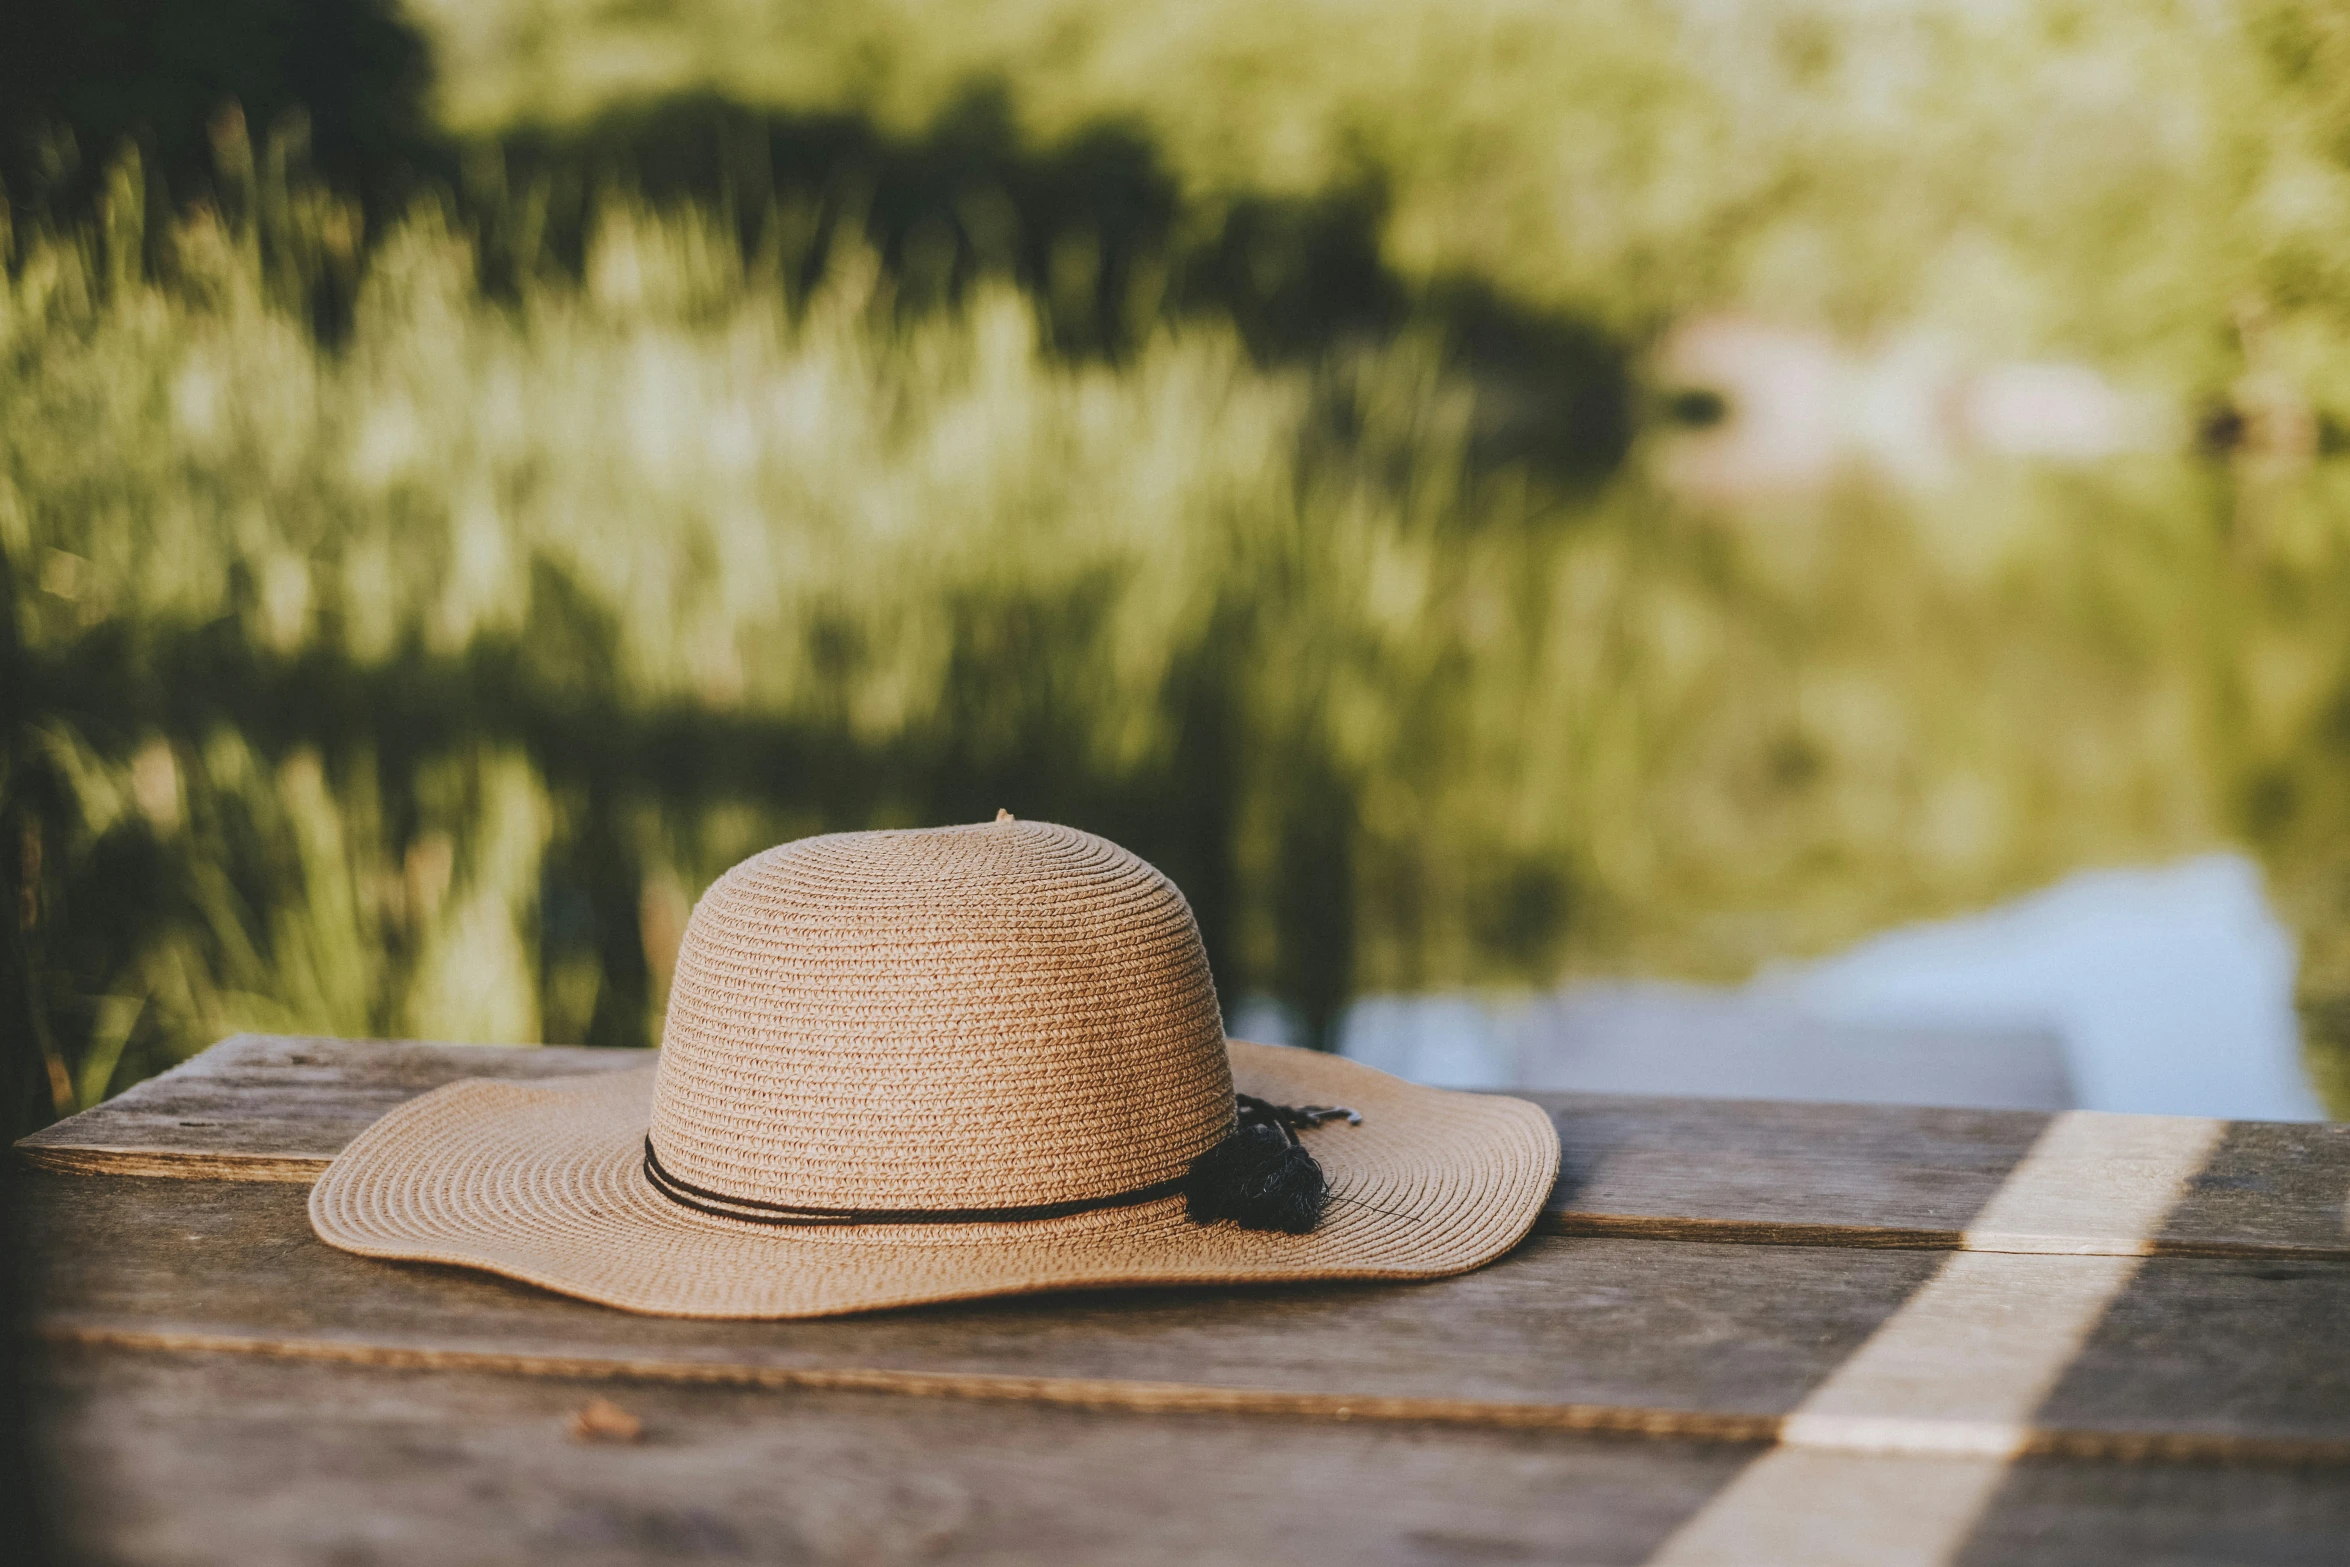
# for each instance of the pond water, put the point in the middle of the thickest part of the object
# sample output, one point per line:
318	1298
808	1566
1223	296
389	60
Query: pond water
2166	991
423	699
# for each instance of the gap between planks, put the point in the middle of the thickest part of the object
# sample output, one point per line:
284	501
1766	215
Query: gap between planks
1757	1232
1926	1438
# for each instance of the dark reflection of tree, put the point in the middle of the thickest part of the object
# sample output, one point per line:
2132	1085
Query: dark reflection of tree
79	77
1095	227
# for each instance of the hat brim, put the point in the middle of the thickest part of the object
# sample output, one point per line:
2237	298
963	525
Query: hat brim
544	1182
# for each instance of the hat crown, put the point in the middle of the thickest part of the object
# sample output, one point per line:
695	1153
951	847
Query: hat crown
999	1016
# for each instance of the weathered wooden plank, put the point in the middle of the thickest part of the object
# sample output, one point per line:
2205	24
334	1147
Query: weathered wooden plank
2158	1516
266	1107
278	1107
1806	1174
198	1459
1760	1171
1567	1322
1705	1340
1838	1510
2215	1334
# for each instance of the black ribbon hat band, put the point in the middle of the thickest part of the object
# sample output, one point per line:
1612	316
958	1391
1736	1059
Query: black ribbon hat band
1221	1183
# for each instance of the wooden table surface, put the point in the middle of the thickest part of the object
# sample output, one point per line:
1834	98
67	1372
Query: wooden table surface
1744	1333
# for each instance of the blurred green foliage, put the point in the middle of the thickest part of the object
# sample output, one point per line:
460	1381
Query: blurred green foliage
2034	176
1202	425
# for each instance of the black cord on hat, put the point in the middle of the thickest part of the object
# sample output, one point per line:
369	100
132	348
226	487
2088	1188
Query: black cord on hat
1260	1177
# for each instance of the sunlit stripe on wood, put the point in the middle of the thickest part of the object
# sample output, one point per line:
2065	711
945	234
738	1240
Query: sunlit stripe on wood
1949	1383
2095	1185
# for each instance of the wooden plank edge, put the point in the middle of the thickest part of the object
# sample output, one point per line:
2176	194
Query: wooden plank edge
1743	1232
1133	1397
1926	1437
2297	1251
1770	1232
170	1165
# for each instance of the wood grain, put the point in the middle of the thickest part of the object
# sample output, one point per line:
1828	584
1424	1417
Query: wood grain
277	1108
269	1462
1876	1175
1148	1398
1836	1510
191	1458
1681	1338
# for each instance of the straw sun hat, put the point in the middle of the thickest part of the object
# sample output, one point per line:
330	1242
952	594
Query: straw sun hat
931	1065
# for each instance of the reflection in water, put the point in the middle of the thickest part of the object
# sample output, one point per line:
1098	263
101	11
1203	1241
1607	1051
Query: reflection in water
2172	990
415	686
2161	991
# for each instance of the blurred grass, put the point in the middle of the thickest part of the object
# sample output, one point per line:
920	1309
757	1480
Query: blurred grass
404	620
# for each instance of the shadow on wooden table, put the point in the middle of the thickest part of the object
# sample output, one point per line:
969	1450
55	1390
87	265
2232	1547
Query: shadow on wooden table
24	1515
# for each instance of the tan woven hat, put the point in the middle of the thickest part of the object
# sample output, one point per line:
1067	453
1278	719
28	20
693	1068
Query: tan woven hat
930	1065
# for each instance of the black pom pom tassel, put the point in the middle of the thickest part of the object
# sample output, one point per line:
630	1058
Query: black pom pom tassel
1260	1176
1261	1179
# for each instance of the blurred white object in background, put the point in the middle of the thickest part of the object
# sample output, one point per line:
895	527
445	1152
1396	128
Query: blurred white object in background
1794	406
1780	394
2062	411
2165	990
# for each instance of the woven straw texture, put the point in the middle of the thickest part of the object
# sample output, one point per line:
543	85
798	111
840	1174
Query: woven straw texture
993	1016
968	1017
